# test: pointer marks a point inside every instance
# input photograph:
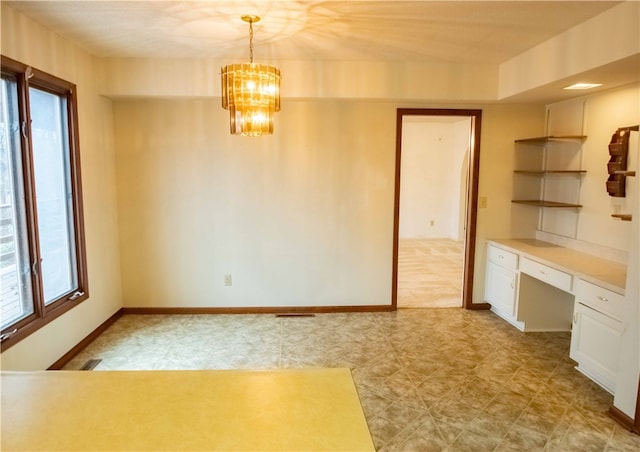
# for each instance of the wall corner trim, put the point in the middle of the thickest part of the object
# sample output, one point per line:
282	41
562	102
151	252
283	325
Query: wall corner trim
64	359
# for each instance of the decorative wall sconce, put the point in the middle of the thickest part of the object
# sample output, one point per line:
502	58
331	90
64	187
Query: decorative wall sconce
617	165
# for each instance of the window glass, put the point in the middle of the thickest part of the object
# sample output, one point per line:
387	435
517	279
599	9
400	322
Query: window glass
53	193
15	267
43	268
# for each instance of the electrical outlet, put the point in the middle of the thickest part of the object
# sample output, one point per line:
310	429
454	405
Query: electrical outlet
227	280
482	202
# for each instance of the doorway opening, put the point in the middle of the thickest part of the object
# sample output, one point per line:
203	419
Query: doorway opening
435	207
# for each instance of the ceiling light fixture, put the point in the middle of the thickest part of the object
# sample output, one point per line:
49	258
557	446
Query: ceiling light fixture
251	93
583	86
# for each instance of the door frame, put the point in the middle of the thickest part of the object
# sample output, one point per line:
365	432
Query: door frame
472	198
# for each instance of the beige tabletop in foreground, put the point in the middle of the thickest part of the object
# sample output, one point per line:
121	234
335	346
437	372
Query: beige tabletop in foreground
281	410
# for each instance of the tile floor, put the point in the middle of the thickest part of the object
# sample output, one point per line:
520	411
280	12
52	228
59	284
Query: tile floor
430	273
429	379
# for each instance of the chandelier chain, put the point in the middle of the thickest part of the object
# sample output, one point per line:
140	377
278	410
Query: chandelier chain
251	41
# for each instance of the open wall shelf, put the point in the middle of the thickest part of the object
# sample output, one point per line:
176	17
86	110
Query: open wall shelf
548	172
547	139
549	162
544	203
543	172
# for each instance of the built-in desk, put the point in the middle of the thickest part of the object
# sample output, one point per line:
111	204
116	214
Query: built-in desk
539	286
602	272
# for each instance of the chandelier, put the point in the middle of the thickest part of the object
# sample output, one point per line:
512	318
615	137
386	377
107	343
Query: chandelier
251	93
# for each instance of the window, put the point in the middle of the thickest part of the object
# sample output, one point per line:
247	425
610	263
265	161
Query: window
42	253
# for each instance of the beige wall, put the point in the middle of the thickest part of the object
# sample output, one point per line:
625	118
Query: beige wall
501	125
300	218
434	80
61	58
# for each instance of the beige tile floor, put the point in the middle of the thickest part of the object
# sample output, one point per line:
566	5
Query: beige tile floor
430	273
429	379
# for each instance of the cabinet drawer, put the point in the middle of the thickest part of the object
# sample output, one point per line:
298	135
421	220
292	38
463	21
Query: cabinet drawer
502	257
544	273
599	298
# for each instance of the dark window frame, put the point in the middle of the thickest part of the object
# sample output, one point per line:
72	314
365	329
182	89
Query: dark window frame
28	77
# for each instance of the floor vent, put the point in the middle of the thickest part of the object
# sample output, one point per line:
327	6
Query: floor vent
91	364
296	314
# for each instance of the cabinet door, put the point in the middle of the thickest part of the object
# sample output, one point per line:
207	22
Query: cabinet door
500	289
595	345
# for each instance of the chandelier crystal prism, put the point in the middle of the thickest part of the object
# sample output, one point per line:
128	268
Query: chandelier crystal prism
251	93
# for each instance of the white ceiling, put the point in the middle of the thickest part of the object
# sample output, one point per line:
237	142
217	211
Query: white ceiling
459	32
454	31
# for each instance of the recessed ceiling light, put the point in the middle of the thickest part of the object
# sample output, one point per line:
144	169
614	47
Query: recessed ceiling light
583	86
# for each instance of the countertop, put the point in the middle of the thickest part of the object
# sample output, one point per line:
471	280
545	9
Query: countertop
283	410
603	272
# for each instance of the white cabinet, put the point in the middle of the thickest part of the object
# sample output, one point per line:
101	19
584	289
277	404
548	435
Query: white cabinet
596	334
537	286
501	282
501	289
